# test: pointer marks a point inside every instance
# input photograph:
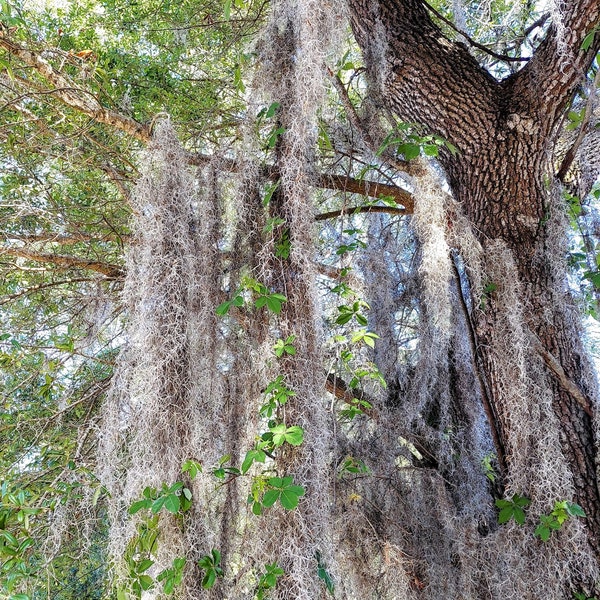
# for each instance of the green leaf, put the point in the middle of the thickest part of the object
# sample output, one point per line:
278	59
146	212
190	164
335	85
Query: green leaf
294	435
192	468
343	318
542	532
223	308
146	582
505	515
272	110
273	304
519	515
227	10
209	579
172	503
289	499
158	504
137	506
269	194
144	565
410	151
575	510
270	497
588	40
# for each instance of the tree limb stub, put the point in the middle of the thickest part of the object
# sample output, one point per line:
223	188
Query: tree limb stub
568	386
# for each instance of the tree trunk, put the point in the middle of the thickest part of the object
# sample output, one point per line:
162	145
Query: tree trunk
528	344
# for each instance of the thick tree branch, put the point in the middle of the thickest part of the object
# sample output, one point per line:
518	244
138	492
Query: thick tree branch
66	262
72	95
367	188
422	75
81	100
558	65
342	183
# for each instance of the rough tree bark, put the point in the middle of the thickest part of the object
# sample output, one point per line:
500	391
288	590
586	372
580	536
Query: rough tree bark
505	132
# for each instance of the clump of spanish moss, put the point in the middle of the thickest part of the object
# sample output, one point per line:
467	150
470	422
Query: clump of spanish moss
291	73
165	400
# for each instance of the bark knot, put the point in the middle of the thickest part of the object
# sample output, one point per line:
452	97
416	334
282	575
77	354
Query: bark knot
520	123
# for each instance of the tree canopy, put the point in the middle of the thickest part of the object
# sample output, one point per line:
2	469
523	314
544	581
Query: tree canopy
298	299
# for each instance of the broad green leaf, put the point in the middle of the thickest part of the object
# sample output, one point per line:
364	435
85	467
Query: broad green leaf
505	515
519	515
272	110
410	151
158	504
289	499
575	510
209	579
294	435
146	582
144	565
588	40
270	497
172	503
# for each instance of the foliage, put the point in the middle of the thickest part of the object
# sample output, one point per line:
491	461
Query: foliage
210	563
562	511
174	498
268	580
512	508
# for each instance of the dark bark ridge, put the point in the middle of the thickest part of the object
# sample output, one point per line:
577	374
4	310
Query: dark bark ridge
504	131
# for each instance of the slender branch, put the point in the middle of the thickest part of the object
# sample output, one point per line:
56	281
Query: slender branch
589	110
353	210
471	41
488	405
57	238
36	288
356	122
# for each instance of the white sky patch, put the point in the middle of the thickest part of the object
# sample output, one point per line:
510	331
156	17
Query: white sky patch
41	5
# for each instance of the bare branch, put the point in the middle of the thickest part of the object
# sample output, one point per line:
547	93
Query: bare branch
583	129
37	288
